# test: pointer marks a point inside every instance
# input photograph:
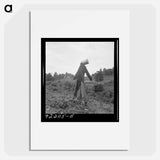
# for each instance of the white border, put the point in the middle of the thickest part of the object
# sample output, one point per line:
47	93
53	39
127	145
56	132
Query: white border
79	136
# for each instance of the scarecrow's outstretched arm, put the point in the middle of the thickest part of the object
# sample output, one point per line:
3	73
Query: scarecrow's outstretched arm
86	71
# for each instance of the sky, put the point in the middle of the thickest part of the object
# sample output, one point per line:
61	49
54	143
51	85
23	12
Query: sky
62	57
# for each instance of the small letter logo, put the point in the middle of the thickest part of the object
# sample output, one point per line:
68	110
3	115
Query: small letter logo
8	8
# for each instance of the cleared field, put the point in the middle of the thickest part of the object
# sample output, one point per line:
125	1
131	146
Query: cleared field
100	96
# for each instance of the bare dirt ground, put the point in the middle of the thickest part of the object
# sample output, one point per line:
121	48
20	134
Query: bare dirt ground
59	97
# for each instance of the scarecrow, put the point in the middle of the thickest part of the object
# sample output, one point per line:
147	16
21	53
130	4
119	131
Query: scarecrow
79	92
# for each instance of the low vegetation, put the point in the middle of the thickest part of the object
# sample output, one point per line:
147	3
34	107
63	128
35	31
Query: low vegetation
100	94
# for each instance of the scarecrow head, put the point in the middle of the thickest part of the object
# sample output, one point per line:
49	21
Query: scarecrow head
85	62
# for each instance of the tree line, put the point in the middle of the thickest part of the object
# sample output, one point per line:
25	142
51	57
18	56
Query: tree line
98	76
56	76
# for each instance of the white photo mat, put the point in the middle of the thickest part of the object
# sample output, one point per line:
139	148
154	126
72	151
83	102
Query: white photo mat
79	136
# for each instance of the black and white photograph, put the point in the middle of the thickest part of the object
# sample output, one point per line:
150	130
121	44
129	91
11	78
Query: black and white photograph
79	80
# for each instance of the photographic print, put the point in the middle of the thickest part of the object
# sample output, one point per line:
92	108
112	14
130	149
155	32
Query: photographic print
79	79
